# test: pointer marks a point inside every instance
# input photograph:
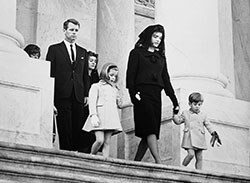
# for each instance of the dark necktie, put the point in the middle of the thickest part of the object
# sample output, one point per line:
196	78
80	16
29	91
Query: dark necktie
72	53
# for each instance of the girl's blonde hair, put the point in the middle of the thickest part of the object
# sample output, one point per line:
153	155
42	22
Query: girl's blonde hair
105	70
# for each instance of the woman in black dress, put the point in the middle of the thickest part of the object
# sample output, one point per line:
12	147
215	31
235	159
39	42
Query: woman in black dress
146	76
87	138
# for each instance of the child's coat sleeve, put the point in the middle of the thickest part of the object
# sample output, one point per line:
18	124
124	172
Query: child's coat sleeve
118	100
208	125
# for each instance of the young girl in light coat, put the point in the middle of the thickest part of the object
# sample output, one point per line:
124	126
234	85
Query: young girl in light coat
104	101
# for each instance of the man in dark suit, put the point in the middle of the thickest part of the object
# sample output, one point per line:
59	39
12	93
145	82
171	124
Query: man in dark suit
69	67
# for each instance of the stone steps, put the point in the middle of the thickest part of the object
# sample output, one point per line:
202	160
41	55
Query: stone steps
20	163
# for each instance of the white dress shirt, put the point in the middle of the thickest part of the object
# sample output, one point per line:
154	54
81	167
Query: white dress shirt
69	51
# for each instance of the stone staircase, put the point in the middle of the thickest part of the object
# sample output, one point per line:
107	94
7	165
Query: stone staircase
28	164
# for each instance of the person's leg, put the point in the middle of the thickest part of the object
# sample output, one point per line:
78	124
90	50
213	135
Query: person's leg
198	157
87	139
106	143
141	150
64	123
98	142
189	157
77	123
153	147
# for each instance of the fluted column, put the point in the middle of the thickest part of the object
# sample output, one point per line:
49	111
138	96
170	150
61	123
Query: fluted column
115	34
115	38
199	49
10	39
195	49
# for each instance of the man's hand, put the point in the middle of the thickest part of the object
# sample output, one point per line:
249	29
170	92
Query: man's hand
55	110
85	101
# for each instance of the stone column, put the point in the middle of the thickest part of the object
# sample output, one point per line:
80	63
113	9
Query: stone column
115	34
26	90
193	43
10	39
199	45
115	39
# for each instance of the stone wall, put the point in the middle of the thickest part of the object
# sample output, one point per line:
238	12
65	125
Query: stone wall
41	21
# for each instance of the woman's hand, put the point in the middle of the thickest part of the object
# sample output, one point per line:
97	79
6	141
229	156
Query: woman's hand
134	96
176	109
137	96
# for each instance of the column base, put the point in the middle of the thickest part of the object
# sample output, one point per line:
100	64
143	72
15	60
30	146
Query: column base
11	41
213	83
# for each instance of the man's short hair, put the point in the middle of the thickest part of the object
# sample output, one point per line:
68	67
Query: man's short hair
71	20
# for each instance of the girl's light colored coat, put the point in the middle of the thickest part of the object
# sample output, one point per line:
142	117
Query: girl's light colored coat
104	101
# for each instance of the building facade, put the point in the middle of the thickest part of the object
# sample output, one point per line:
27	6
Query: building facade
208	50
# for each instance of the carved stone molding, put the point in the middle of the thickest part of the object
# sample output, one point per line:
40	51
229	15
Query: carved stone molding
145	8
147	3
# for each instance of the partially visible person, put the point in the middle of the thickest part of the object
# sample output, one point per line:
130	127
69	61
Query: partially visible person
88	138
33	51
93	62
69	67
104	100
194	141
146	76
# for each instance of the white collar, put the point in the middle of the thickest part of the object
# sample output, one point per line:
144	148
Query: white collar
68	48
68	44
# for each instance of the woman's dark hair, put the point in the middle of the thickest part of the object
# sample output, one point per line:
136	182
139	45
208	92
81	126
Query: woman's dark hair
32	49
146	35
94	76
92	54
73	21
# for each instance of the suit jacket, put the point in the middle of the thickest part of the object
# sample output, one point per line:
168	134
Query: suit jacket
69	76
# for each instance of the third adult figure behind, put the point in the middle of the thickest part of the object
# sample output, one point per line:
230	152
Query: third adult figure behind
88	138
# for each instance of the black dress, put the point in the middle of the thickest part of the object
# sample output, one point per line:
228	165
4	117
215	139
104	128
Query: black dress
147	74
147	111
